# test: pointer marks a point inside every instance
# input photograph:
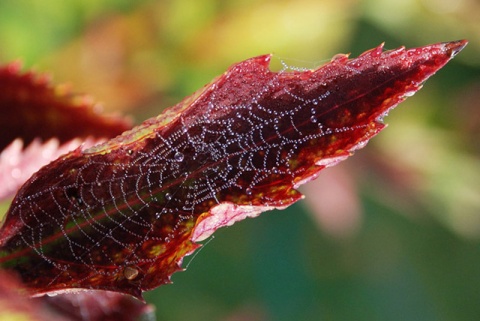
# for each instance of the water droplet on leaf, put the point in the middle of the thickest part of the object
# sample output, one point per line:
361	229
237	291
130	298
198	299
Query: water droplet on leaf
178	157
130	273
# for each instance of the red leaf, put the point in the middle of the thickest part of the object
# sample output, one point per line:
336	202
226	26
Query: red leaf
78	306
121	216
31	108
13	304
97	306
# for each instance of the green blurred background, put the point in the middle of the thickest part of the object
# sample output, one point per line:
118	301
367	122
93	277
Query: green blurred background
391	234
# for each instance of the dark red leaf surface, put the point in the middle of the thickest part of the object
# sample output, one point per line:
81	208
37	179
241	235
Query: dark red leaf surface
32	108
121	216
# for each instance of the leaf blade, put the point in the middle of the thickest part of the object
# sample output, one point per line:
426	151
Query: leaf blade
121	216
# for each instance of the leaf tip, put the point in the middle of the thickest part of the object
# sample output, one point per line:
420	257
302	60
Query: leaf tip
341	57
263	60
454	47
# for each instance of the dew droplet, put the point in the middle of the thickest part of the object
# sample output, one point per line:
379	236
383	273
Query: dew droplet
382	116
248	191
178	157
168	196
158	215
355	64
130	273
313	119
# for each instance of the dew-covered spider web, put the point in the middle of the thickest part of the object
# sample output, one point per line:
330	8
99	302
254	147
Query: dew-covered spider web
121	216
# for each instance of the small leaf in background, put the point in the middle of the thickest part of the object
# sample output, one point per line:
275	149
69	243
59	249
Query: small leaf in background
32	108
122	215
18	164
97	306
14	305
83	305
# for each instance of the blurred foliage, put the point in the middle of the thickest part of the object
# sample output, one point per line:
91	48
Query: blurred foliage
416	254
